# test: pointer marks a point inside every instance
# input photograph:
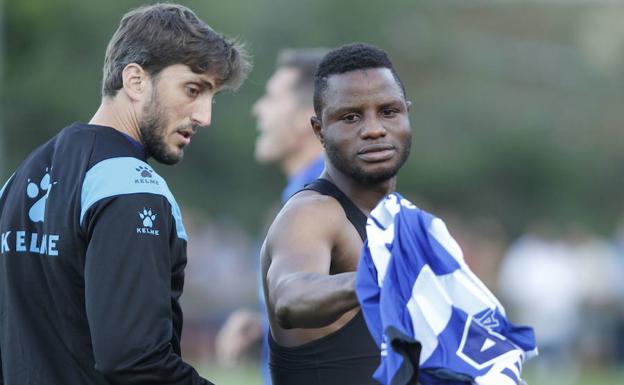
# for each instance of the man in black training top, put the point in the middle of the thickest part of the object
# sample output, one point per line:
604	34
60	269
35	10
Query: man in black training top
318	334
92	243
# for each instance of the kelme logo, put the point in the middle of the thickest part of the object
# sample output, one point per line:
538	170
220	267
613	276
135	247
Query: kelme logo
146	175
145	172
147	218
41	192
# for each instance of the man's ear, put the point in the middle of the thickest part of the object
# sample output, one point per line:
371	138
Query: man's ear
301	120
135	81
408	104
316	127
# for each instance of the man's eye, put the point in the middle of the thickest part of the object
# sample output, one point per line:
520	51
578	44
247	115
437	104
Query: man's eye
192	91
389	113
350	118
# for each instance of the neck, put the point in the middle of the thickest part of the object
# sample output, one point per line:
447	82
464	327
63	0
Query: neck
365	195
121	116
301	158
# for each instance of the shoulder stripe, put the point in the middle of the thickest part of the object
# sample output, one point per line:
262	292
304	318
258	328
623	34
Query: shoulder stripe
5	185
126	175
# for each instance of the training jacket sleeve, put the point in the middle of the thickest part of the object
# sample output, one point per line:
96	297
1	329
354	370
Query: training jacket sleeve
128	291
1	209
1	375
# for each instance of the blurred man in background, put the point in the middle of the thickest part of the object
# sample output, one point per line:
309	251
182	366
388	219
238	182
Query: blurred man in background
93	246
286	140
283	113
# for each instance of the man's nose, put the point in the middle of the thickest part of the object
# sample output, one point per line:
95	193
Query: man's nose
373	129
203	114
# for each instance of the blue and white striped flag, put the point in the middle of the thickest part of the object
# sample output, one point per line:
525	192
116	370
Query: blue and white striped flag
415	287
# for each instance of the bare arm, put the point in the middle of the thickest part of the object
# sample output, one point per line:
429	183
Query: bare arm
299	247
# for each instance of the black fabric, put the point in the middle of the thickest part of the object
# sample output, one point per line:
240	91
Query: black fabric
354	214
410	349
349	356
91	301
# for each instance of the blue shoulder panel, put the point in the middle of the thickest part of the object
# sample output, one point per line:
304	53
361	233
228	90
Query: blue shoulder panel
5	185
121	176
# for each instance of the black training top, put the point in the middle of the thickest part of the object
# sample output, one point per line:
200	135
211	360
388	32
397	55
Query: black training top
92	258
347	356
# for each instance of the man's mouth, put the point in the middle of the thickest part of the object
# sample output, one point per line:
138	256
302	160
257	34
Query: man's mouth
376	152
186	135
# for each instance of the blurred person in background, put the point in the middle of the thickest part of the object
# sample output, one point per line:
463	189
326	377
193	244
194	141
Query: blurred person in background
618	241
568	285
286	140
540	280
601	285
93	247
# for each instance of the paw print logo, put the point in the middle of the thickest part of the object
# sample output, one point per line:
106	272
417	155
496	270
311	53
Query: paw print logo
145	172
33	190
147	217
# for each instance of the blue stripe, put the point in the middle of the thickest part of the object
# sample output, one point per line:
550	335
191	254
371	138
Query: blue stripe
5	185
377	223
509	373
121	176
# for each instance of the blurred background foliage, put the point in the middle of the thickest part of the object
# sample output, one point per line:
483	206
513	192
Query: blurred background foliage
516	104
517	108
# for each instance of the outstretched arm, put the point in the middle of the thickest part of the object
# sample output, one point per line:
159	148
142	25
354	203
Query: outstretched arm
299	248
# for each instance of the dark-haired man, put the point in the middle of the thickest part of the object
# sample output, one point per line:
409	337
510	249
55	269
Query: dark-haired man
318	334
93	248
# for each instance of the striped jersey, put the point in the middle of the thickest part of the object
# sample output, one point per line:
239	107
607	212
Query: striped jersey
416	290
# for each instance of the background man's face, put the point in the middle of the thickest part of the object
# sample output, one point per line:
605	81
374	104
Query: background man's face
277	113
365	124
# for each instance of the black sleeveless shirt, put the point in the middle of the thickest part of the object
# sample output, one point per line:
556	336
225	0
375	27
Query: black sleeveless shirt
348	356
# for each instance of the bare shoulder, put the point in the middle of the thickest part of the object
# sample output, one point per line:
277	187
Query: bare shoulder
307	214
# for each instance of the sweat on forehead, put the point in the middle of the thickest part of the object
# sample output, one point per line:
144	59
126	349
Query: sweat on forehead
350	57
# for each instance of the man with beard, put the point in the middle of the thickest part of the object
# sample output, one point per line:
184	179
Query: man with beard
309	258
93	248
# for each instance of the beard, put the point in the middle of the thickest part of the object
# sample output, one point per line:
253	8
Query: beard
359	174
153	129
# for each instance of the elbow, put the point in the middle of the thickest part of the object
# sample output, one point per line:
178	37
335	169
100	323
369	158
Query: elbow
118	368
284	314
109	369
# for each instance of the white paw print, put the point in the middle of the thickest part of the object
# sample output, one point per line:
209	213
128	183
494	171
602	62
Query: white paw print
148	217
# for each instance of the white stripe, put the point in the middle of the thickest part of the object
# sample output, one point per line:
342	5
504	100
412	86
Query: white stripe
430	310
5	185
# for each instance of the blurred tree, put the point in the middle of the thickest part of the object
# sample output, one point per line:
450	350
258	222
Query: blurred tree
516	106
3	166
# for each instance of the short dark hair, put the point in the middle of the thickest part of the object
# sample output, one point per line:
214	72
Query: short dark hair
160	35
346	58
304	60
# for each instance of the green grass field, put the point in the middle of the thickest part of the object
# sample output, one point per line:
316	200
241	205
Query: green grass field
249	374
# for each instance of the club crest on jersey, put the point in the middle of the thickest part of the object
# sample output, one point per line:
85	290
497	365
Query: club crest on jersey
145	175
41	192
487	318
147	218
